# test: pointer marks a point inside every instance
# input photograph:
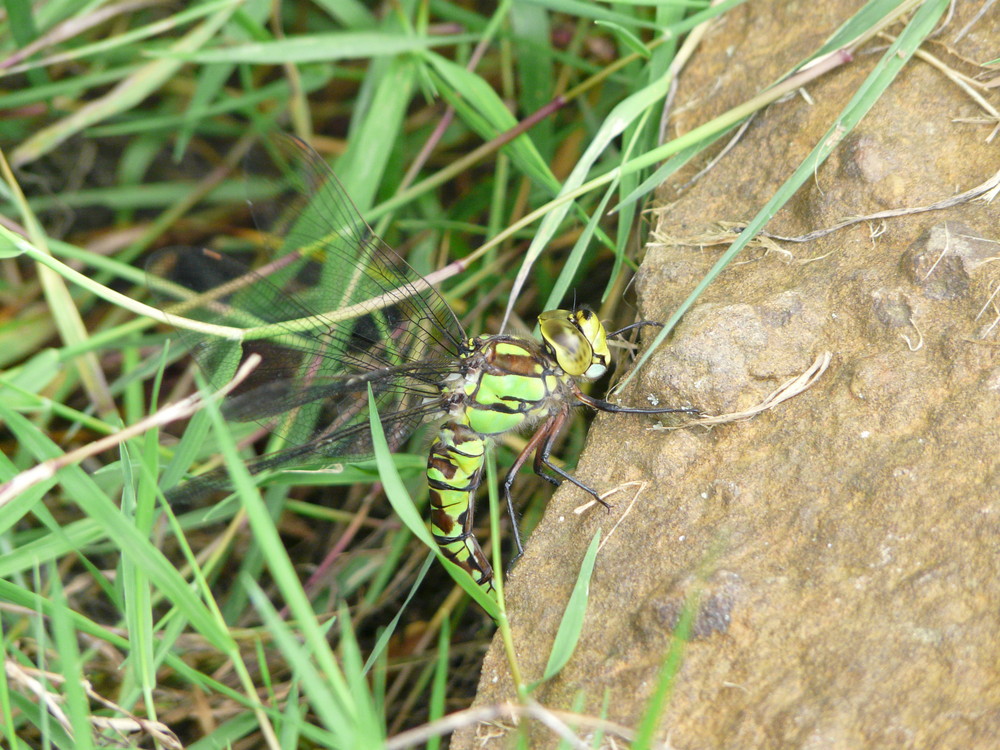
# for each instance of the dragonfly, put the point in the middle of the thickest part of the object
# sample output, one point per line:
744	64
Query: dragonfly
332	311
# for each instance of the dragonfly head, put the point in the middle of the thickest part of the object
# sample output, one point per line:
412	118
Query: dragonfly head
576	339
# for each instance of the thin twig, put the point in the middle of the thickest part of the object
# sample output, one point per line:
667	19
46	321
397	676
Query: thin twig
783	392
983	189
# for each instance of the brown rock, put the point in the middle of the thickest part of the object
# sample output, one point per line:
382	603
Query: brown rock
842	550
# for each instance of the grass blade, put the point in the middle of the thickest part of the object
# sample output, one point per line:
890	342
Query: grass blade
571	625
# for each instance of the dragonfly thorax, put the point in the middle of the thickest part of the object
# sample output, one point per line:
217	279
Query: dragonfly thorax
577	341
505	383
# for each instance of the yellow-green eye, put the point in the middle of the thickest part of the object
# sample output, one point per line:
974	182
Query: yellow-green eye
593	330
577	340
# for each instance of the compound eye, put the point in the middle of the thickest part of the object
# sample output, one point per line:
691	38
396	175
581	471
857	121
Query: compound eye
593	330
566	341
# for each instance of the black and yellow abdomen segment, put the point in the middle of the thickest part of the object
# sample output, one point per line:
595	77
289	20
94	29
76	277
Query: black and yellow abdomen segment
454	472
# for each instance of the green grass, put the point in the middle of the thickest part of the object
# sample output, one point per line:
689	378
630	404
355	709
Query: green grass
459	136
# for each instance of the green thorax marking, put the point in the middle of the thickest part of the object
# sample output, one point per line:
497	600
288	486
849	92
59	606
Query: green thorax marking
507	383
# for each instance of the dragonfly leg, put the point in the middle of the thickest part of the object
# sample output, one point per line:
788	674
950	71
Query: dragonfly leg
602	405
541	435
545	450
638	324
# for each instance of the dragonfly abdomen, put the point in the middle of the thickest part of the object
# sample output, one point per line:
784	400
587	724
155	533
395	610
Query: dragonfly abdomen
454	472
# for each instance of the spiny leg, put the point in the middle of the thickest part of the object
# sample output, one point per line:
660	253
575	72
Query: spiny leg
543	452
551	429
541	434
637	324
541	444
602	405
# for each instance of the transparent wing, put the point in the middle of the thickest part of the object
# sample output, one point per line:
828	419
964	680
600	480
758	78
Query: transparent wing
329	307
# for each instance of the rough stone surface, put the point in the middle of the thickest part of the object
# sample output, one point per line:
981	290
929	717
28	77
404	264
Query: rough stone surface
844	547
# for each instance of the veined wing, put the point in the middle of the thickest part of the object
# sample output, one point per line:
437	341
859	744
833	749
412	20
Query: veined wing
381	324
